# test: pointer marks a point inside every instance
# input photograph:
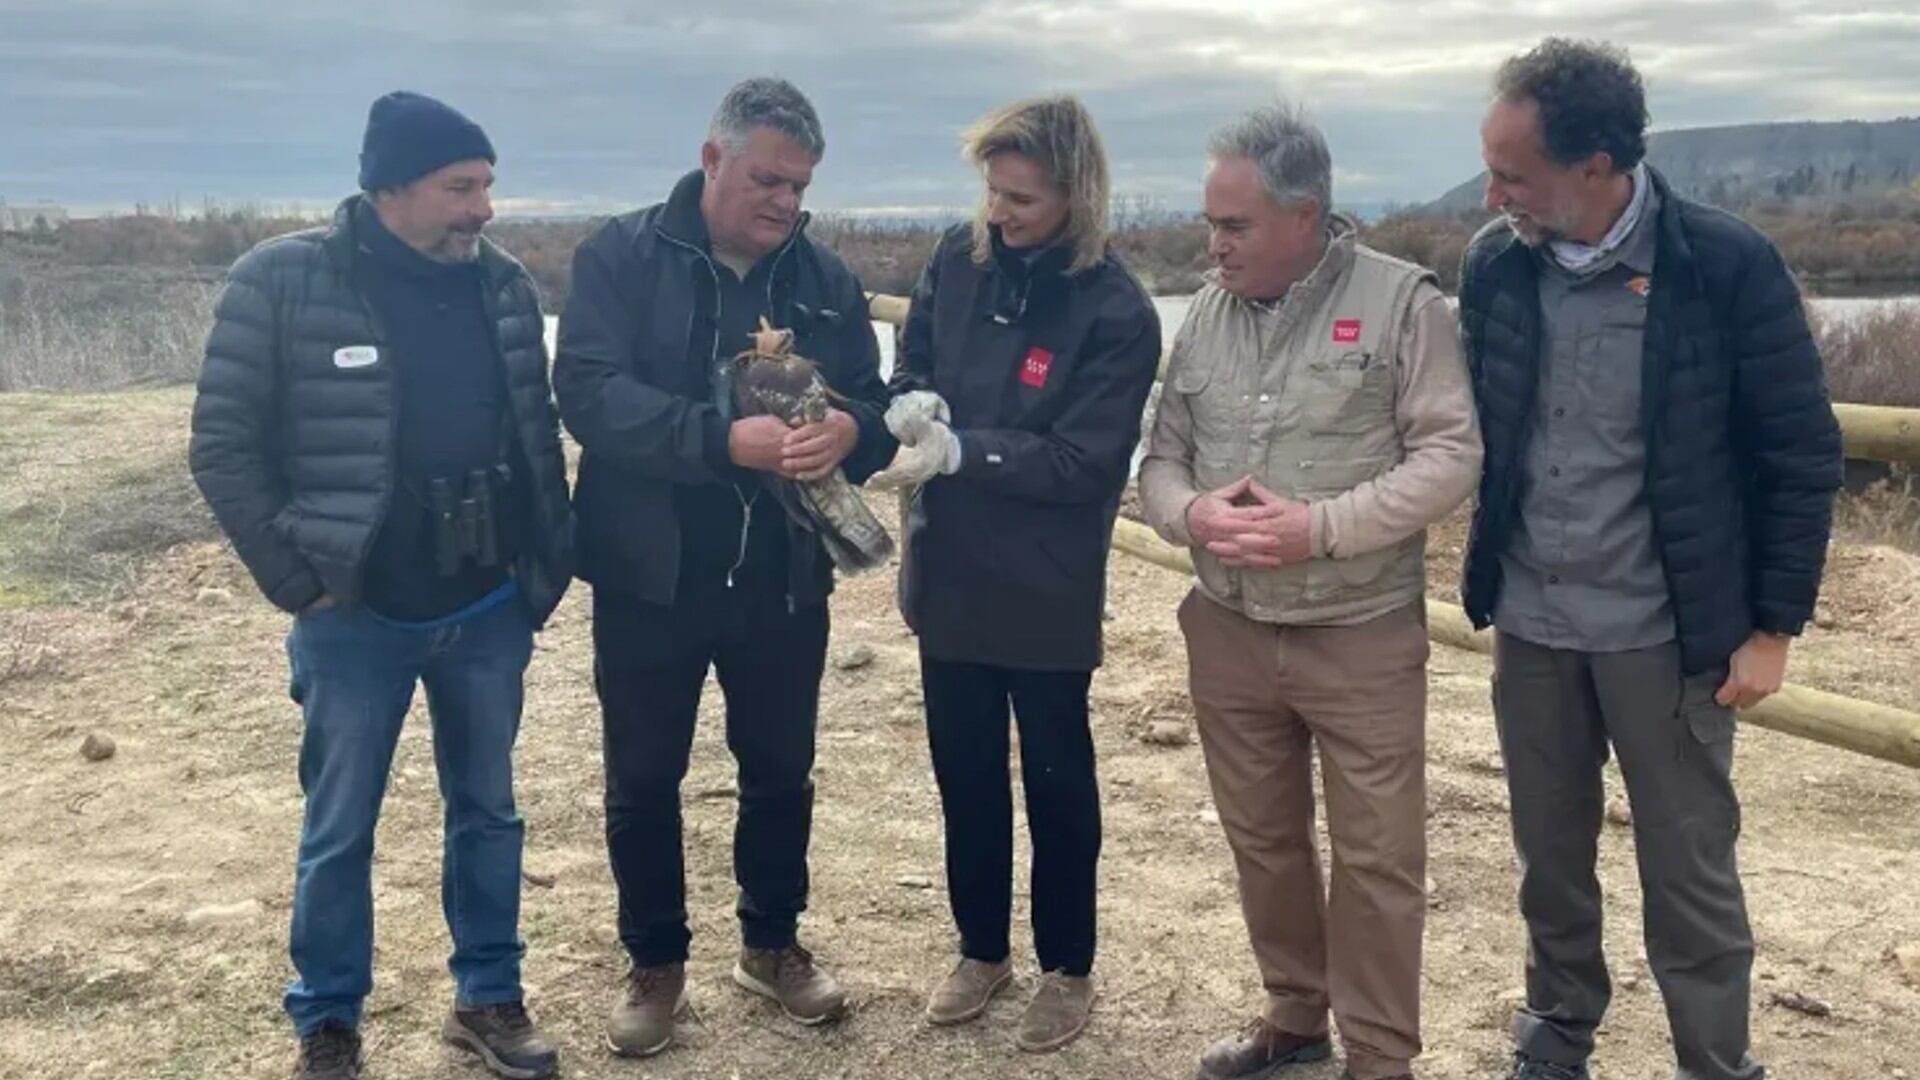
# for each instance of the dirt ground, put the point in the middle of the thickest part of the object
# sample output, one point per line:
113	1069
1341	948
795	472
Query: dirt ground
113	967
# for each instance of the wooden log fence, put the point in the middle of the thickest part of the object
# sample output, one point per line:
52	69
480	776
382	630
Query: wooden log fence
1864	727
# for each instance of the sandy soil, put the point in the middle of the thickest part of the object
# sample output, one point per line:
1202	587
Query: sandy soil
108	971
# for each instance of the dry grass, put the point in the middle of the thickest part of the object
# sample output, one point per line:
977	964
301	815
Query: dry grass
1873	357
1168	256
96	485
1887	512
101	328
24	655
1435	243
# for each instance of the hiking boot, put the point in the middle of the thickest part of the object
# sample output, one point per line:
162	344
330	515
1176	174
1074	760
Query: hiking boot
1261	1050
642	1020
1058	1012
788	976
331	1052
1526	1067
505	1039
965	994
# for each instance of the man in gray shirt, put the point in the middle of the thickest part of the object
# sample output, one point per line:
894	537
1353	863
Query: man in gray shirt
1654	510
1582	571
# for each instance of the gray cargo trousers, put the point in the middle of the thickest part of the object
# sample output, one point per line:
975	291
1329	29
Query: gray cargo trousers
1557	712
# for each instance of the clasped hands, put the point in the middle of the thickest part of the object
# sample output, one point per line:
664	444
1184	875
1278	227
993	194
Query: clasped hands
1246	525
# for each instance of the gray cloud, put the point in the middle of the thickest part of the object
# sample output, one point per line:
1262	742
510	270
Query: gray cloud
603	103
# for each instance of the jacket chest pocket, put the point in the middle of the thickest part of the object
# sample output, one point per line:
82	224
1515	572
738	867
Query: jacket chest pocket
1350	393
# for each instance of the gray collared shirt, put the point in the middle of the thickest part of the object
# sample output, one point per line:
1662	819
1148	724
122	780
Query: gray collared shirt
1583	571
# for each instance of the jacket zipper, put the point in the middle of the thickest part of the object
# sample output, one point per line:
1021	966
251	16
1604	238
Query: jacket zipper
490	306
773	273
713	361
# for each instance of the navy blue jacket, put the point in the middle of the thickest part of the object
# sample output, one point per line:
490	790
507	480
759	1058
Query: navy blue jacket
1743	451
641	304
1047	374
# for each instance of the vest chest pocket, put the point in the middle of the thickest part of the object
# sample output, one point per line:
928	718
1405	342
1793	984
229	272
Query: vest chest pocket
1348	393
1220	421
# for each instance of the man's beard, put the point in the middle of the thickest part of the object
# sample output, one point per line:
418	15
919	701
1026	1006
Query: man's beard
1525	229
1535	232
460	246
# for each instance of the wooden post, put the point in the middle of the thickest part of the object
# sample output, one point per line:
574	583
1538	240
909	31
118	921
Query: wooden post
887	309
1880	432
1863	727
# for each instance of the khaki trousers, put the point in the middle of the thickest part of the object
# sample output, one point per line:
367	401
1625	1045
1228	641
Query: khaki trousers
1265	695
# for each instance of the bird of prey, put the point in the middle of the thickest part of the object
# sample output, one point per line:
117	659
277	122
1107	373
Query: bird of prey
770	379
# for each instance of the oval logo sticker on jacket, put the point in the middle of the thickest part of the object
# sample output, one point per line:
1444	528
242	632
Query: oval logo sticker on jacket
356	356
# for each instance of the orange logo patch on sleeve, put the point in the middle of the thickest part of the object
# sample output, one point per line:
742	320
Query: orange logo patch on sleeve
1640	286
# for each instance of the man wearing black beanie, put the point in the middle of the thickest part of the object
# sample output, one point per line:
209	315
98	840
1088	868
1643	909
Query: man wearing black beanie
375	433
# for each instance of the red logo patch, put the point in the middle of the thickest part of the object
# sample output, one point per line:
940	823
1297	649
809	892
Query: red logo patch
1346	331
1033	370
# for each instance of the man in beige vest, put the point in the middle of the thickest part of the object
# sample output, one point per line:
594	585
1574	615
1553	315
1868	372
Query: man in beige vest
1316	419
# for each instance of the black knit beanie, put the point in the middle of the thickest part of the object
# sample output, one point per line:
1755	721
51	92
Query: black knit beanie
410	135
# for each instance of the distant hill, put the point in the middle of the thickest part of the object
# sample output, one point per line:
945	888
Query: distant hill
1743	164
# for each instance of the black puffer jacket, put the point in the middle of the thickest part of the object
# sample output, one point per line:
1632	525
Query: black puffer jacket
294	428
1047	374
1743	452
641	307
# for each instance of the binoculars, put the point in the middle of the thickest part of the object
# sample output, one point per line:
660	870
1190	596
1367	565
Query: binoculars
466	524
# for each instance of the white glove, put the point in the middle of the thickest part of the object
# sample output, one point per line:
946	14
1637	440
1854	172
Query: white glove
936	454
912	413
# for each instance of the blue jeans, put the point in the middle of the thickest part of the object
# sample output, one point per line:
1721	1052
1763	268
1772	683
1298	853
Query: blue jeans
353	673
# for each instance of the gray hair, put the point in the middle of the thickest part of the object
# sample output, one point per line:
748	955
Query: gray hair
770	103
1286	148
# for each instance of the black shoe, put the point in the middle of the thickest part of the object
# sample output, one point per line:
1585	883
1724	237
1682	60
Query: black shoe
1526	1067
331	1052
505	1038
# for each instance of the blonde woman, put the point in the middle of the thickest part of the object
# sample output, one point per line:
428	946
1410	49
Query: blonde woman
1022	373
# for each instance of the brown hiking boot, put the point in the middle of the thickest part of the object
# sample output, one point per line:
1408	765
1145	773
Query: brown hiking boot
331	1053
642	1020
505	1039
1058	1012
806	994
965	994
1260	1050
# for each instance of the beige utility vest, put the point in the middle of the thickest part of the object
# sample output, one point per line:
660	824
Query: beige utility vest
1310	413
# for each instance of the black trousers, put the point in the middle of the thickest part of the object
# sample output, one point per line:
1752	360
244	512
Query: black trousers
650	662
967	706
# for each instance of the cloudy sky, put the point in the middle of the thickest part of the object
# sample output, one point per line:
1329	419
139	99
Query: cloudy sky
597	104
